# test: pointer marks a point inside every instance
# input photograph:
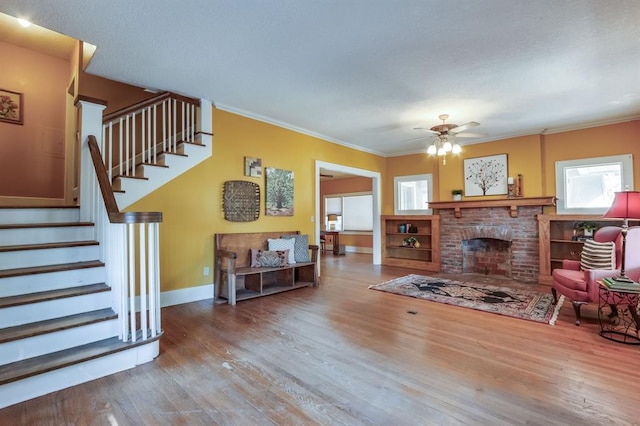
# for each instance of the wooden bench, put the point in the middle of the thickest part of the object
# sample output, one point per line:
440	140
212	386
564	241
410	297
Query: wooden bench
237	280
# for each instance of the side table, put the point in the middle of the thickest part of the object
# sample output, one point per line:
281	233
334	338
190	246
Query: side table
621	324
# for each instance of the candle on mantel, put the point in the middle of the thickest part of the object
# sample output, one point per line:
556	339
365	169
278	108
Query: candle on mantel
510	180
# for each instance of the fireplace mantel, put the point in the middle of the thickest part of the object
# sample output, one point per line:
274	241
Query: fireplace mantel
511	203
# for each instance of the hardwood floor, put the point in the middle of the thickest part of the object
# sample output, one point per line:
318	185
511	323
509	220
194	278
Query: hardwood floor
341	354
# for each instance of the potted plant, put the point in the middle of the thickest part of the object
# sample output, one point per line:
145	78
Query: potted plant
410	242
587	228
457	194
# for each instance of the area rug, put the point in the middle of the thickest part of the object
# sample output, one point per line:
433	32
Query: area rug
517	303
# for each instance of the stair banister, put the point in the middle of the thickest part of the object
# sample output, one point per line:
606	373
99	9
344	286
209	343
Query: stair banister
119	232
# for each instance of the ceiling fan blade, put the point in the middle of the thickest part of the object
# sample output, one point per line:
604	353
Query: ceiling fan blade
464	127
470	135
426	130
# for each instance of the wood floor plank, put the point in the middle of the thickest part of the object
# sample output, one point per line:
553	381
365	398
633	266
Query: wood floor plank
342	354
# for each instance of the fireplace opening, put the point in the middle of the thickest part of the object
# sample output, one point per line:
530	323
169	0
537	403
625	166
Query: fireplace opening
489	256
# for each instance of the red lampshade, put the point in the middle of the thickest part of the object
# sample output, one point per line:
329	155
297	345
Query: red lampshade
626	205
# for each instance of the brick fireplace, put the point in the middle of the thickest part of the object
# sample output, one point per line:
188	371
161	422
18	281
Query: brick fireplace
496	237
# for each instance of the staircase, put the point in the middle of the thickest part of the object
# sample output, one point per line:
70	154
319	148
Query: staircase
79	286
58	327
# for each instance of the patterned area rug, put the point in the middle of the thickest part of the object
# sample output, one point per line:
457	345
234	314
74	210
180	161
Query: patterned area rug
517	303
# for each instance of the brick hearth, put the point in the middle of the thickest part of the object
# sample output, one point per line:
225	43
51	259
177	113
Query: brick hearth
497	223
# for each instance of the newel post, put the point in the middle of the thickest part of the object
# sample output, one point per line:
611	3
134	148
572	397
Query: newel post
90	123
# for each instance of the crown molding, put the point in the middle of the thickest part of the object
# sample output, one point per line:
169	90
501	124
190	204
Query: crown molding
289	126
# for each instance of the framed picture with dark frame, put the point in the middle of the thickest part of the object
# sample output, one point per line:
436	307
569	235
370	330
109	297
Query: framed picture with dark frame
485	175
11	107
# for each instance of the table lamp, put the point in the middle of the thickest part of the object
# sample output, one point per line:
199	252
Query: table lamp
626	205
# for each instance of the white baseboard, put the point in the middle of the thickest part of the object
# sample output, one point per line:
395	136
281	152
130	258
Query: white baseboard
186	295
355	249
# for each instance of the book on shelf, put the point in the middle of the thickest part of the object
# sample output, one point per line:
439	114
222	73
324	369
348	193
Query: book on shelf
618	284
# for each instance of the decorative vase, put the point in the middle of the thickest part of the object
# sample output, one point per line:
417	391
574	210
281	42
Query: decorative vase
416	244
457	197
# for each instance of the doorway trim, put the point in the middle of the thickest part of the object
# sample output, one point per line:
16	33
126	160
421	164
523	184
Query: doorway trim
375	190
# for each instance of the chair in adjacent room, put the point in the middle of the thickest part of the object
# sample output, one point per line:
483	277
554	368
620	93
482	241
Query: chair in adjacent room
577	279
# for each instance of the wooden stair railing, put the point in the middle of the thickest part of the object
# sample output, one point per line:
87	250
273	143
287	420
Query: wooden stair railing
110	204
131	255
140	133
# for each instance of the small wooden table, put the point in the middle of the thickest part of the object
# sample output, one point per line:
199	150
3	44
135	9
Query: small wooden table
336	240
622	323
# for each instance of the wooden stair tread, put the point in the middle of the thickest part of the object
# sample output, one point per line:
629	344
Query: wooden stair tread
45	225
6	273
38	207
130	177
49	326
42	364
43	296
48	245
153	165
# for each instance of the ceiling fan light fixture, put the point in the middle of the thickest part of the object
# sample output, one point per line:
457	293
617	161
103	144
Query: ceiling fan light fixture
432	149
441	151
456	149
447	146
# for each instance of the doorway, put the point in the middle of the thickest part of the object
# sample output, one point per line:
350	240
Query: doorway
375	190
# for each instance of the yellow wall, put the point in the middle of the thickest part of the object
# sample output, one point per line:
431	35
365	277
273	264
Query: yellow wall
533	156
192	203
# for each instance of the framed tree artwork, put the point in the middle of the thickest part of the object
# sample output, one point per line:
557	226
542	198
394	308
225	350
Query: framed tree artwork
485	175
279	192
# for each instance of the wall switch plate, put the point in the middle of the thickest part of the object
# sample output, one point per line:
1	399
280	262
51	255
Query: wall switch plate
312	218
206	271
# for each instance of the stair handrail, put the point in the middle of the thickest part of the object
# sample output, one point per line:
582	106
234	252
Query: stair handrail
131	252
110	204
147	102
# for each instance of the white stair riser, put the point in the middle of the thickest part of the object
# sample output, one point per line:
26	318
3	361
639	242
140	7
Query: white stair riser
35	283
51	256
35	215
34	312
45	383
19	236
52	342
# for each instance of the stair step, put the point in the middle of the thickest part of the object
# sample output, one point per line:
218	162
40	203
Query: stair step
25	299
23	247
53	325
6	273
38	214
33	366
44	225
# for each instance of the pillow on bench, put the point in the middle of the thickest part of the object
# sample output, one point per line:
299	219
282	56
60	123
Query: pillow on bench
301	247
283	244
269	259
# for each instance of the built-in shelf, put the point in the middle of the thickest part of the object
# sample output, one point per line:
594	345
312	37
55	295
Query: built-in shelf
511	203
426	231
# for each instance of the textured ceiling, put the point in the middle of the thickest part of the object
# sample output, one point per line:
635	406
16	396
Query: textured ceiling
364	73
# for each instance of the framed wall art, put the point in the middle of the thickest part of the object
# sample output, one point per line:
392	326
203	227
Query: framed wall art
11	107
485	175
279	192
252	167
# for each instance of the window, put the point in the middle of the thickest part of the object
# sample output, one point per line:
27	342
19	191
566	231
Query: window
412	194
349	212
587	186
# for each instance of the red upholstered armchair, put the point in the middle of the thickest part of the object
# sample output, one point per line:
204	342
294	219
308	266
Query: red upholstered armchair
581	286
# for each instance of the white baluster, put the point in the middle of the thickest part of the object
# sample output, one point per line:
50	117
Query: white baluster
131	265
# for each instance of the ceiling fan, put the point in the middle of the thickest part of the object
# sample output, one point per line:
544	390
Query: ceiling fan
446	129
445	133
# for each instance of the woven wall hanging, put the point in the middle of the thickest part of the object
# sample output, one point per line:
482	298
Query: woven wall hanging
241	201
